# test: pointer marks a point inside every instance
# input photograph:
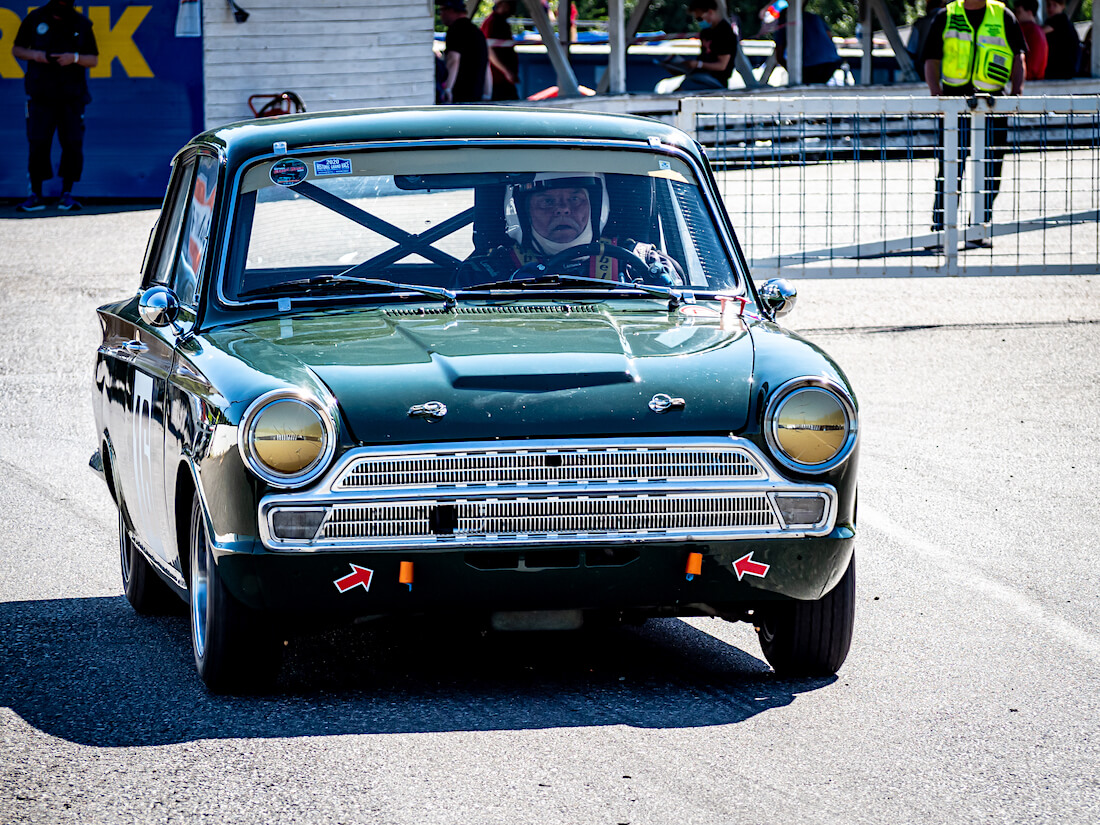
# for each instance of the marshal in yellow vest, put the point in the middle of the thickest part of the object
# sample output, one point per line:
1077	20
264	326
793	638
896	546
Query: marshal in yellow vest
982	58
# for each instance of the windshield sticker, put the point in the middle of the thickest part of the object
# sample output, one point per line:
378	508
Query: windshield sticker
331	166
288	172
668	174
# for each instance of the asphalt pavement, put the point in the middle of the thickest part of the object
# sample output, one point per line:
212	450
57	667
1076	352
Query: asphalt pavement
970	694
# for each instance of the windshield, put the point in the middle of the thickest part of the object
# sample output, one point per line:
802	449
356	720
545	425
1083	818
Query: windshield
471	219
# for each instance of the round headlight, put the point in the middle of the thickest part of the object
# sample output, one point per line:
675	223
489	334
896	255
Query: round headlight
811	425
286	440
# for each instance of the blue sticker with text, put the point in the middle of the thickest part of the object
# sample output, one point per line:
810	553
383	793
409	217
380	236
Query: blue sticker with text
331	166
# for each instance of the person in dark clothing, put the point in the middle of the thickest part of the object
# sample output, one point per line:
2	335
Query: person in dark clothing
718	45
502	52
820	59
59	47
996	34
467	56
1084	64
918	35
1063	45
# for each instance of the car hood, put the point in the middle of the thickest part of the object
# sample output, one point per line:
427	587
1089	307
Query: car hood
512	371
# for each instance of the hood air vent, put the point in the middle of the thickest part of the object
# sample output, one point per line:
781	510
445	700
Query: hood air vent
511	309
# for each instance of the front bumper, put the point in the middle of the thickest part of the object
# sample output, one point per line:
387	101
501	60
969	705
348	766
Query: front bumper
647	577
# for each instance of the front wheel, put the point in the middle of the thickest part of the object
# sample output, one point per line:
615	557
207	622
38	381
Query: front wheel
811	638
234	652
144	590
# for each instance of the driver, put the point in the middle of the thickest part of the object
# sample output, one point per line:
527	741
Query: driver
552	214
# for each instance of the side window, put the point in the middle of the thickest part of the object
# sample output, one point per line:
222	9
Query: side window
185	279
171	219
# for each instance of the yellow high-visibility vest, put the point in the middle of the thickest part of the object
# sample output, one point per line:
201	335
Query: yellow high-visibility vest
983	57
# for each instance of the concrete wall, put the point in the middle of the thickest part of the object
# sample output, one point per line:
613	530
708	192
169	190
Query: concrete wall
336	54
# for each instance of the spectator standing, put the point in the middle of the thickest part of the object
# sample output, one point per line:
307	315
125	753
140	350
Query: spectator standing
59	47
718	45
466	56
502	51
1026	11
918	35
1064	46
975	46
820	59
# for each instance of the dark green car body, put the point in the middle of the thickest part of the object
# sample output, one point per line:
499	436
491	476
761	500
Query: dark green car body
538	381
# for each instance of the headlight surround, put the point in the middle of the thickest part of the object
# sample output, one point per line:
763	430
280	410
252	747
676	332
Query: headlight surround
810	425
286	438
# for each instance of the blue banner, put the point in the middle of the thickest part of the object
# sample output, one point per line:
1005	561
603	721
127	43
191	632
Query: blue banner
147	99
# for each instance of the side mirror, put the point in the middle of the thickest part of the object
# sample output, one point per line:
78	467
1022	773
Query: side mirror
159	307
778	296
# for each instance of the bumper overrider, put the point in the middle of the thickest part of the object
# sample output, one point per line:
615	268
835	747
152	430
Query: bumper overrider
668	525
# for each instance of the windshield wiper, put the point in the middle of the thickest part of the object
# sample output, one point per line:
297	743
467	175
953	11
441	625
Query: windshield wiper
676	297
449	299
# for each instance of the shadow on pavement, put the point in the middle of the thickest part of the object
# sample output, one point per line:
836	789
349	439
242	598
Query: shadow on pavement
95	206
93	672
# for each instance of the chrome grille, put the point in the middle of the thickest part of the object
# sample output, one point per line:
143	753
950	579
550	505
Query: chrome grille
516	466
574	516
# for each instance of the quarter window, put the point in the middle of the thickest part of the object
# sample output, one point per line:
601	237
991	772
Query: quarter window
172	221
192	253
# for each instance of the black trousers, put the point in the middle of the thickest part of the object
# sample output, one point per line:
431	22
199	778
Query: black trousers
996	143
65	117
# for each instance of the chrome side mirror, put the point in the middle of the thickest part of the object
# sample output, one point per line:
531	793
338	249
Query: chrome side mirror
778	296
159	307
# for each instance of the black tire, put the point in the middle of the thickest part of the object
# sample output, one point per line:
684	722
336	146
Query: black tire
234	651
811	638
144	589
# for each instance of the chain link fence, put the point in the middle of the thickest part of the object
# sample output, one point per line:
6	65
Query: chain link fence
884	186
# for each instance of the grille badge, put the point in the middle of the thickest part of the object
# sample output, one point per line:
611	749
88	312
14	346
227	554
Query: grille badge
431	410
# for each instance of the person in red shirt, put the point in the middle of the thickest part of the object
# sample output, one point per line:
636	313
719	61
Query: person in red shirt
502	52
1036	39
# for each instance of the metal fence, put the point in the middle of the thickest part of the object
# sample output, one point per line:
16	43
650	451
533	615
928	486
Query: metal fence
880	186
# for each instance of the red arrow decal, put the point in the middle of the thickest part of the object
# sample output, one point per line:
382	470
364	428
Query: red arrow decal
745	566
357	576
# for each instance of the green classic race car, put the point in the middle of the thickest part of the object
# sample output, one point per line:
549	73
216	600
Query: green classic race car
497	361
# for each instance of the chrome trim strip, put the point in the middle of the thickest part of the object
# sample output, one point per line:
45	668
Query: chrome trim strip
172	573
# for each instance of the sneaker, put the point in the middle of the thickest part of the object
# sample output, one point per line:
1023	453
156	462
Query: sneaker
32	204
67	202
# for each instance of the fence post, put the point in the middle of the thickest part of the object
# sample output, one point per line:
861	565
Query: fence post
686	120
951	185
978	166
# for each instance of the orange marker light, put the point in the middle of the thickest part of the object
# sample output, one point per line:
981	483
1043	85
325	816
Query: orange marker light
405	576
695	565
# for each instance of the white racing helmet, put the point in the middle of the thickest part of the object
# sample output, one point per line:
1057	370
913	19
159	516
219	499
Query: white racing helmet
517	222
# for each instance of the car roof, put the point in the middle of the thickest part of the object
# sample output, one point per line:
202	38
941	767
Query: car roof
246	139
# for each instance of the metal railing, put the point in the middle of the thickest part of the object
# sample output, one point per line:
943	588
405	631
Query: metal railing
881	186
